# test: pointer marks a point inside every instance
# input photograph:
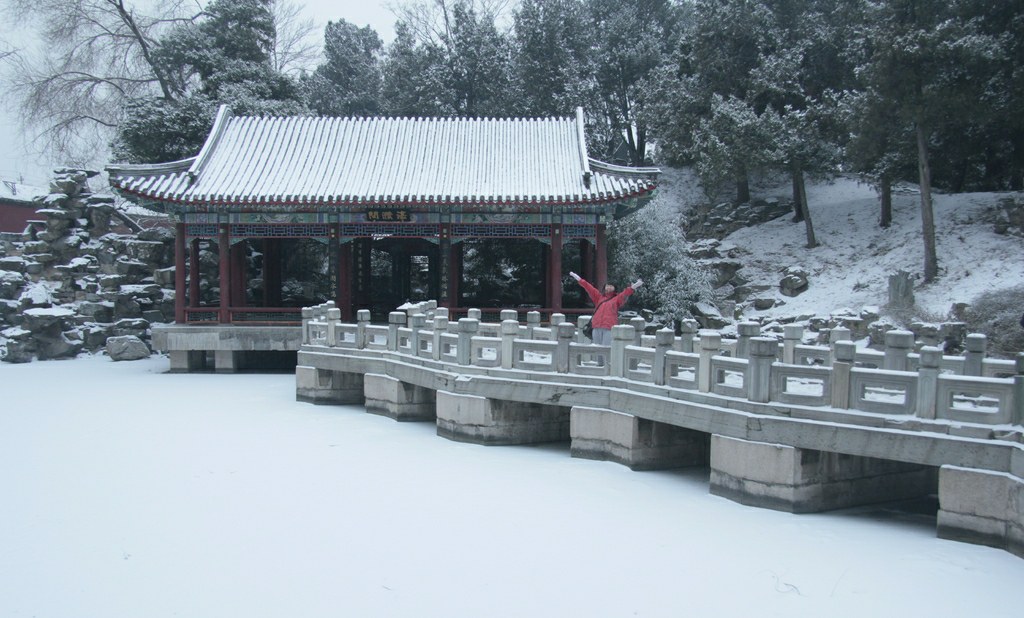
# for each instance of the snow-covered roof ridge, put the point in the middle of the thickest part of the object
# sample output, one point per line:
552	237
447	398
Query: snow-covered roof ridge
333	161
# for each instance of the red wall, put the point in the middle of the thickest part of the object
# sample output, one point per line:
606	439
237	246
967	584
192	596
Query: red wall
14	216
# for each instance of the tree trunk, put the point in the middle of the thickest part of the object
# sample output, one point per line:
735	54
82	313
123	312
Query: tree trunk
931	262
798	213
885	189
805	212
742	187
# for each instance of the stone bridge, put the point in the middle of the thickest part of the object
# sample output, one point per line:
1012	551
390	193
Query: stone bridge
779	423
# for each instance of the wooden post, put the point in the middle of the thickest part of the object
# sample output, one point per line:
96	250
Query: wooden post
194	274
179	273
344	292
601	259
239	274
587	259
555	269
224	283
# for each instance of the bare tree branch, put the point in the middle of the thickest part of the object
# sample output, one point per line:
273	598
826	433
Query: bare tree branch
296	48
92	57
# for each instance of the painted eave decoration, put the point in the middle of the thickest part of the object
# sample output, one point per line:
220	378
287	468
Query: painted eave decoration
317	163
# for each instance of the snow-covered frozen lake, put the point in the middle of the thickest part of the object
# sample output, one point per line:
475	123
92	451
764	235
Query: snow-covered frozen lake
128	492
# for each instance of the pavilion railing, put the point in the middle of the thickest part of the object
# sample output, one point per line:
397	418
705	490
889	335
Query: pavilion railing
285	316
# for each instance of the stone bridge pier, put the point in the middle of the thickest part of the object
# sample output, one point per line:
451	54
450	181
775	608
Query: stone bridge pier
799	480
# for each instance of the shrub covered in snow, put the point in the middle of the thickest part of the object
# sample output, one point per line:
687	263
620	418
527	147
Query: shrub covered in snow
650	245
997	315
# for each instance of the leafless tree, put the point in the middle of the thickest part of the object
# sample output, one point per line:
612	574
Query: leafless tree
90	57
430	20
297	47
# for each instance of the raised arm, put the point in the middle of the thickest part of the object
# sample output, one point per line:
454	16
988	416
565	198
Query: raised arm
595	296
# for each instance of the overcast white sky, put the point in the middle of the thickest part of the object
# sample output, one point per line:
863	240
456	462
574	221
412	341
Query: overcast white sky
18	161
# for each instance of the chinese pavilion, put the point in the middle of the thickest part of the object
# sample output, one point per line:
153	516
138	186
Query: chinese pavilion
415	188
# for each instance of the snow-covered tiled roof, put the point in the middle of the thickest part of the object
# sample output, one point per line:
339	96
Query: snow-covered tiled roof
18	192
324	161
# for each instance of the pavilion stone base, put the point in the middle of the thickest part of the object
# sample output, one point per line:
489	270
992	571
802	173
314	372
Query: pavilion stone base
798	480
324	386
188	361
638	443
398	400
479	420
231	348
978	506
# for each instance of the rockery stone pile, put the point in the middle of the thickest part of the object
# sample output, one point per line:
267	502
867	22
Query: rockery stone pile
73	283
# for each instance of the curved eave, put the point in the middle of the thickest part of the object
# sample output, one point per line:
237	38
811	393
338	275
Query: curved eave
347	201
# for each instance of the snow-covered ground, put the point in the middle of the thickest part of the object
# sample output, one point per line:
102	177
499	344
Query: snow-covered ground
130	492
851	266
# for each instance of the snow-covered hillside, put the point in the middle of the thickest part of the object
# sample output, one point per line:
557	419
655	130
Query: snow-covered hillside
851	266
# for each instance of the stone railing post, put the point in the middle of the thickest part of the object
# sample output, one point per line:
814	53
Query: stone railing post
440	328
840	333
663	341
532	323
468	328
566	332
1017	414
792	336
974	354
307	317
556	320
509	314
333	326
687	331
898	345
509	332
745	332
396	320
417	322
441	312
759	368
474	314
710	345
928	381
622	336
362	322
843	353
638	324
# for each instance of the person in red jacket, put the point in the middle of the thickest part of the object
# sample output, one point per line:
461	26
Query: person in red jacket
607	305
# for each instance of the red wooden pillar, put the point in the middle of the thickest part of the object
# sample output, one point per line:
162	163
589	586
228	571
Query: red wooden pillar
454	273
194	275
179	273
555	269
343	295
224	283
239	274
587	259
601	259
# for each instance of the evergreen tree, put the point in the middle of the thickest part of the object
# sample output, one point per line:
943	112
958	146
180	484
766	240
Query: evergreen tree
930	66
348	83
553	70
411	77
222	57
630	40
